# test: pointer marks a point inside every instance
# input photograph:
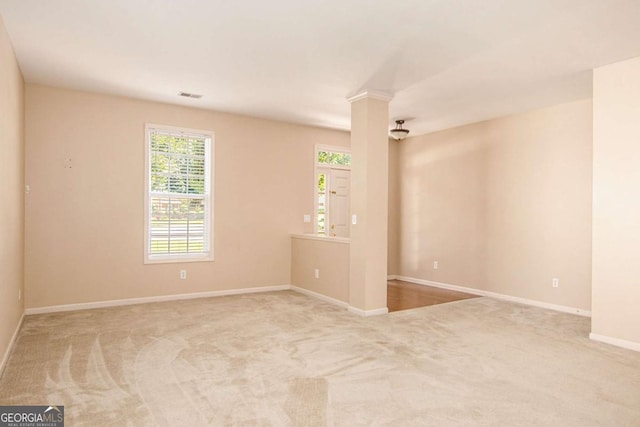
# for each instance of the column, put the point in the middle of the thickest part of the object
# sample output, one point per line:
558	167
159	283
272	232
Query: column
369	203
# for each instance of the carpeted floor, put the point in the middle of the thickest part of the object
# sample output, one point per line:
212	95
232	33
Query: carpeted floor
282	358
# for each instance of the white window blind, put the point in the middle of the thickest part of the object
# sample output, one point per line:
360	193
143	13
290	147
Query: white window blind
178	195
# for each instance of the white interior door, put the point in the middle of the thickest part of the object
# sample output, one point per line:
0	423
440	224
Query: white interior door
340	184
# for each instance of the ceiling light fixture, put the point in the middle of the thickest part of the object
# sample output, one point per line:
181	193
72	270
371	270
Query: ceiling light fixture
398	133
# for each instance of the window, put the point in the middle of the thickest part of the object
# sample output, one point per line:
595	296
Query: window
327	157
321	199
178	205
332	182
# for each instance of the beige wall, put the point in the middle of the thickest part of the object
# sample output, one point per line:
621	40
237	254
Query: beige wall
11	192
331	258
393	227
616	201
85	224
503	205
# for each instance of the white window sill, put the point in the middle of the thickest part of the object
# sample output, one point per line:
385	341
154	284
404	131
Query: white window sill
176	259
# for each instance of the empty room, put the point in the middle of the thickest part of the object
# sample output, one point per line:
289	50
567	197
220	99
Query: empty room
303	213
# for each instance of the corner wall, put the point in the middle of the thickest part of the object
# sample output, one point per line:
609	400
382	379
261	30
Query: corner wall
393	227
85	224
616	204
504	205
11	193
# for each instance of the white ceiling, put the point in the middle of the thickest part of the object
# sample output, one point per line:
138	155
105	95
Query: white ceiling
447	62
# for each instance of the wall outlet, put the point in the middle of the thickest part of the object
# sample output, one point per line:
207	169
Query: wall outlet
555	282
183	274
307	218
435	265
316	273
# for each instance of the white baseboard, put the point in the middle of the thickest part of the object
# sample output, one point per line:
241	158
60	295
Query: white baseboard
342	304
629	345
145	300
368	313
441	285
392	277
541	304
208	294
12	341
322	297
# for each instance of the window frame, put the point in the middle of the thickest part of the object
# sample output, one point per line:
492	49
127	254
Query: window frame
206	256
317	167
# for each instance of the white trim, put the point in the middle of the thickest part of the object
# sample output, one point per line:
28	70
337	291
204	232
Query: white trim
322	297
196	295
372	94
322	238
367	313
541	304
332	148
12	342
332	166
341	304
441	285
145	300
629	345
392	277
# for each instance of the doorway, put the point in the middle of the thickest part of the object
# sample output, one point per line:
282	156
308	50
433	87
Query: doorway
333	191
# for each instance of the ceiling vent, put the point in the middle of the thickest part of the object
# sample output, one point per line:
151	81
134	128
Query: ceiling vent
190	95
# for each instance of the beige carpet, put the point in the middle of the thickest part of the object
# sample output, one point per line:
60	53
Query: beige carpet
282	358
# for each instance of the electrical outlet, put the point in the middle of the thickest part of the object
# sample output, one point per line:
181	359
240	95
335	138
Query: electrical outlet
307	219
435	265
555	282
316	273
183	274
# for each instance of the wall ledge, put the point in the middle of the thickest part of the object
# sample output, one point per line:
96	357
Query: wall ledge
323	238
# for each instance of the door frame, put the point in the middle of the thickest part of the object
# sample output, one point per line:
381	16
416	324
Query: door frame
318	166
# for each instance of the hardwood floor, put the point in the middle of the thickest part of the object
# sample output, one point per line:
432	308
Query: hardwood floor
404	295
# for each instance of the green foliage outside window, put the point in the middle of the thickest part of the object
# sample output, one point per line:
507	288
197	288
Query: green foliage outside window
333	158
177	164
177	180
321	183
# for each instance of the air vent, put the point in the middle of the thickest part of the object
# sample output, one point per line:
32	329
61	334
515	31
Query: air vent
190	95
